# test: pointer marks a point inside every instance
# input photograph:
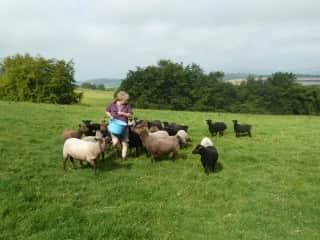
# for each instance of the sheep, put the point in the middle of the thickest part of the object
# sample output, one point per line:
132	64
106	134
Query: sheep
96	138
183	137
206	142
155	123
216	127
209	157
158	145
69	133
75	148
104	129
154	129
93	127
241	129
173	128
160	133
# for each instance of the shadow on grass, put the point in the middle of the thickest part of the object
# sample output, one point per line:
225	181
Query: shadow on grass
109	164
218	167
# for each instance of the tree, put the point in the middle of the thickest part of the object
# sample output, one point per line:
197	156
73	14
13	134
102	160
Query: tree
36	79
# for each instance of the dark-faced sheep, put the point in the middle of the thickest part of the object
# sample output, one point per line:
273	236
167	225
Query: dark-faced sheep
93	127
216	127
173	128
209	157
241	129
74	148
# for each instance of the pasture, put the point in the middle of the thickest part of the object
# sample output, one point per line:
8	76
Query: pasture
265	187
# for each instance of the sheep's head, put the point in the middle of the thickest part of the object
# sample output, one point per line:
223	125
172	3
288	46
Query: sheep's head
140	127
103	125
86	122
199	149
83	128
209	121
154	129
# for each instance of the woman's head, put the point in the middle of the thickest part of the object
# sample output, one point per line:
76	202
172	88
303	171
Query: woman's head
122	97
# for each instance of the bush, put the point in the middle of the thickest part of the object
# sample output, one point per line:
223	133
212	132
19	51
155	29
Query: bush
36	79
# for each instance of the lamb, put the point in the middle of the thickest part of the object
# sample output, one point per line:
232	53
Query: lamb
241	129
74	148
216	127
206	142
69	133
209	156
158	145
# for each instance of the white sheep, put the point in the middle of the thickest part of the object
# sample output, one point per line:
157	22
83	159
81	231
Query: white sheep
82	150
206	142
183	137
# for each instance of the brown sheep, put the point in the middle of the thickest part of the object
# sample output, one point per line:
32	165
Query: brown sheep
70	133
157	145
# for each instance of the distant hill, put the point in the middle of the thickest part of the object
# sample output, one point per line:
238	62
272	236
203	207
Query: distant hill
107	82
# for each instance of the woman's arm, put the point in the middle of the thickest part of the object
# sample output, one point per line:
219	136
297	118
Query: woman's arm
125	114
109	115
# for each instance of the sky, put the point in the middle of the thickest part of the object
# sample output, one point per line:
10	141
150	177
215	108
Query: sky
106	39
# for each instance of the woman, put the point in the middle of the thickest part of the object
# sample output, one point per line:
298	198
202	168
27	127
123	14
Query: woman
120	109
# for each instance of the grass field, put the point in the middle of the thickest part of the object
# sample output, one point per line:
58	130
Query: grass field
266	187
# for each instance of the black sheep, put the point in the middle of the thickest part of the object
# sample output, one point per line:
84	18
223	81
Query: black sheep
216	127
241	129
93	127
134	139
209	157
173	128
135	142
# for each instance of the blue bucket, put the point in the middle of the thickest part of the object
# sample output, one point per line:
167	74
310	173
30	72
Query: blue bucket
116	127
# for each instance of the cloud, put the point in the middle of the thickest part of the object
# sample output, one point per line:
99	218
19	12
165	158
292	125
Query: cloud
108	38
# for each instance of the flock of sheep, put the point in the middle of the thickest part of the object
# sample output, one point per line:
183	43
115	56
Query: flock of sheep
154	137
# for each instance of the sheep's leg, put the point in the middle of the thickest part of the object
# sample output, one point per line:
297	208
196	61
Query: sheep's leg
73	163
206	170
175	155
249	133
94	165
64	162
153	157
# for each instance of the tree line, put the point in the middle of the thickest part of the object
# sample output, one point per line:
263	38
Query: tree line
36	79
170	85
89	85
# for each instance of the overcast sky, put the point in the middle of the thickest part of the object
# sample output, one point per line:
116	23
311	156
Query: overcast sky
108	38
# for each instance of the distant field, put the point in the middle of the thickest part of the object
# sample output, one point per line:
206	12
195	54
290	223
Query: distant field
266	187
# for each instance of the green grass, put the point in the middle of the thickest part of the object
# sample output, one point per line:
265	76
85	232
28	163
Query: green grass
266	187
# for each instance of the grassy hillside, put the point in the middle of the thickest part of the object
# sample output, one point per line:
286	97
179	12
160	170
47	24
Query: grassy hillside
266	187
